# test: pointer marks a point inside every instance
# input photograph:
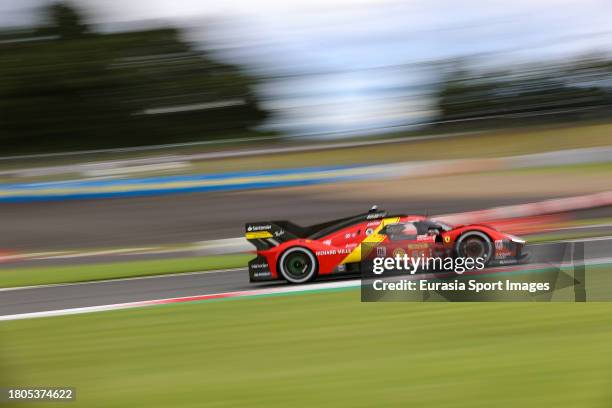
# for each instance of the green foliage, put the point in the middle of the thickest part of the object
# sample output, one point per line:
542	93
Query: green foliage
469	93
64	86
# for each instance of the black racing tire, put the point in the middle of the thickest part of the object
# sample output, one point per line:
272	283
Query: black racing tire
298	265
475	245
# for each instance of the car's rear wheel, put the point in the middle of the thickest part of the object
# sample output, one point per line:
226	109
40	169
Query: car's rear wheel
475	245
298	265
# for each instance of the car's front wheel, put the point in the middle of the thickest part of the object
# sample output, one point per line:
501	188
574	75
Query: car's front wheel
298	265
475	245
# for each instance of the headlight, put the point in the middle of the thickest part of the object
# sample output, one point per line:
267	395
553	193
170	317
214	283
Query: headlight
516	239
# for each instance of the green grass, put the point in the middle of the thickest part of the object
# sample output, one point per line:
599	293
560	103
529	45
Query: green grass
90	272
324	349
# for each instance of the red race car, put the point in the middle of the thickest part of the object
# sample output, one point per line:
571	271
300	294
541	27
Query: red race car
286	251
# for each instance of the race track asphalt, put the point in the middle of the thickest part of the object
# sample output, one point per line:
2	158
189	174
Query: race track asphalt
56	297
183	218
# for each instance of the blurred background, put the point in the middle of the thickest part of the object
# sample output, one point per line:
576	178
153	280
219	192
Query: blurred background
137	138
86	74
456	109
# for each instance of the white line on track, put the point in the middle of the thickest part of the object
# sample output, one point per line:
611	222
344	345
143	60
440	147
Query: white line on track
225	295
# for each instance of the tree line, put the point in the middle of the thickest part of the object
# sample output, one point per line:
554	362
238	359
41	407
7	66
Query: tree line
65	86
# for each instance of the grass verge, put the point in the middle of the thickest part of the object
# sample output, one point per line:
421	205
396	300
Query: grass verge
324	349
91	272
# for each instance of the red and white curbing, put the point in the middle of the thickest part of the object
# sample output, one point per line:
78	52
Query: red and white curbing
281	289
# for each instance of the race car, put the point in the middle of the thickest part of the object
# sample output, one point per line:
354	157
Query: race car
286	251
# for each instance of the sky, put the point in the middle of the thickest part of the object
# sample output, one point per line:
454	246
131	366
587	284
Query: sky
351	50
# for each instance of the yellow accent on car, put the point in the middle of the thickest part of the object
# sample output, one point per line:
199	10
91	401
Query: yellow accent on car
258	235
373	238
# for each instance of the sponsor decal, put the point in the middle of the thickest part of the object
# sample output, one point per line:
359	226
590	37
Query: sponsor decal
259	227
258	235
447	239
375	216
327	242
373	224
399	252
418	246
499	244
381	251
279	233
259	266
502	254
262	274
425	238
333	252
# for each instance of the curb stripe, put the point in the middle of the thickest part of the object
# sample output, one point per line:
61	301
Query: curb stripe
215	296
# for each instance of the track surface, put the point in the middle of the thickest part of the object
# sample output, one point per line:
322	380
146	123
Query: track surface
121	291
190	217
56	297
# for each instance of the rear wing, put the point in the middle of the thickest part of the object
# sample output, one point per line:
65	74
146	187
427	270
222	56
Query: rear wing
266	235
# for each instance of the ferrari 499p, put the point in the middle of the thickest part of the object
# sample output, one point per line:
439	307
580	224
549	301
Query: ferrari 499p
286	251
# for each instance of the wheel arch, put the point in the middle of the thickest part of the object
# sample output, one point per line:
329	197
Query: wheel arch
304	249
479	233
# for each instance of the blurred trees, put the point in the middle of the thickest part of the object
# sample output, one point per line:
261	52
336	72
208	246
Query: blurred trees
63	86
540	91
